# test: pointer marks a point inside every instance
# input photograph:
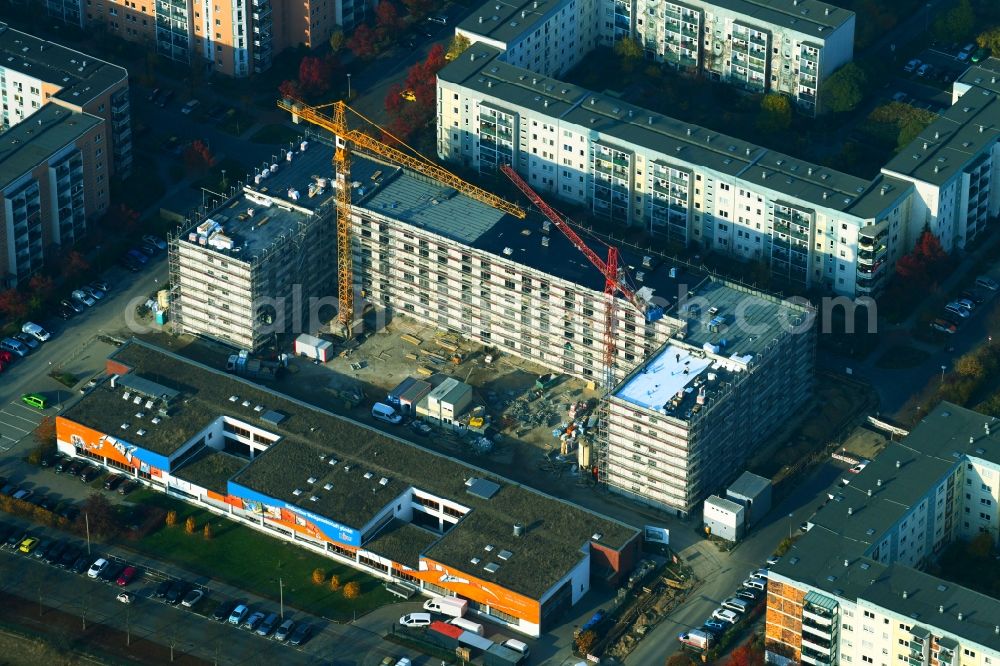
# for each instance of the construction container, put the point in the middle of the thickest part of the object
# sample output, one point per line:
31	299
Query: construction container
583	455
498	655
312	347
443	635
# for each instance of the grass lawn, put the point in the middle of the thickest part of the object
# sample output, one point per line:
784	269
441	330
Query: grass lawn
277	134
250	560
212	180
236	121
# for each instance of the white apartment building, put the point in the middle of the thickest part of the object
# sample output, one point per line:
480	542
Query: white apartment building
263	263
688	184
544	36
786	46
692	186
851	590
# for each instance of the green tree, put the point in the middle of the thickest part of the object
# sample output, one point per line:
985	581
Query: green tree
457	46
845	89
990	39
897	123
981	546
630	52
775	113
956	24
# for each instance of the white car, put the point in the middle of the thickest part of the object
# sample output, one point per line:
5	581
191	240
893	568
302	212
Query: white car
36	331
911	66
966	52
415	620
726	615
158	242
83	297
987	282
97	568
774	559
192	598
124	597
190	106
956	309
923	69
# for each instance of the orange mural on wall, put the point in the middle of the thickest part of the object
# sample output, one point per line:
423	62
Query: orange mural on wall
484	592
104	445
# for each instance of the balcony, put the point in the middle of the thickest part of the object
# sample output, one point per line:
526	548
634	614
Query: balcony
817	618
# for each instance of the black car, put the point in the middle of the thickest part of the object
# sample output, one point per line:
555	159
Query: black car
165	98
128	487
81	564
177	592
14	538
300	635
148	249
41	547
112	571
223	610
90	474
54	552
70	305
5	531
976	297
47	503
69	512
65	313
52	460
113	481
130	263
68	557
75	467
61	465
162	589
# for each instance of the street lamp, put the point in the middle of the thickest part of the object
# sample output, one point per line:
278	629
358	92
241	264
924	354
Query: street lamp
348	87
943	368
223	179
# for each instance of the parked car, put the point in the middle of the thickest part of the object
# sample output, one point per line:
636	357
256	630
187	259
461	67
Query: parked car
158	242
254	621
113	481
80	565
420	428
147	249
748	594
71	305
162	589
102	285
980	54
300	635
14	539
238	615
925	69
268	625
967	304
177	591
97	568
14	347
912	65
36	331
138	256
128	487
52	460
192	598
726	615
165	98
956	309
124	597
715	626
190	106
284	631
80	296
223	610
75	467
415	620
54	552
28	341
96	294
987	283
69	556
129	263
966	52
154	95
854	470
127	574
23	494
28	545
111	573
973	295
90	474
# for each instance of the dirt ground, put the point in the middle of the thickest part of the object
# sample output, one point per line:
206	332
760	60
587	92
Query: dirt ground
864	443
58	638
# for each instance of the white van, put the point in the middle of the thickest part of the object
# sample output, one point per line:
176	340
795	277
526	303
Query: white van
734	604
384	412
416	620
517	646
468	625
755	583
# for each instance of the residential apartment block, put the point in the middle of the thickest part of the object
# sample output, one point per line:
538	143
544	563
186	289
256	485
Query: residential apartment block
811	225
547	37
851	590
785	46
248	271
50	187
447	260
35	72
234	39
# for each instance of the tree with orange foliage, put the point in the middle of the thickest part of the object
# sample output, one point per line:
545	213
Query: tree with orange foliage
352	590
198	156
13	304
76	264
362	42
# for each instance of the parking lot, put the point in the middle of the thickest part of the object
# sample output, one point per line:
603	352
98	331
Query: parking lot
925	80
17	420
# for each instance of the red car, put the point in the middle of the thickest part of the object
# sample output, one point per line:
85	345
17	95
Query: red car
6	356
128	573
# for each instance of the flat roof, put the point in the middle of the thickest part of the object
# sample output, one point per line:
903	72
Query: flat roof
402	542
211	469
80	76
983	74
723	503
506	22
809	17
34	141
556	530
849	526
507	87
749	485
667	373
948	145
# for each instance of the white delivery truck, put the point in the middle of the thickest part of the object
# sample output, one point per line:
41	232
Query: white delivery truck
696	639
312	347
450	606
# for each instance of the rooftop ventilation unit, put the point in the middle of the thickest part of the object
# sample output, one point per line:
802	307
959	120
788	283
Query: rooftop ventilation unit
475	560
332	461
313	498
245	403
492	567
258	408
155	420
383	481
327	486
234	398
124	426
368	475
311	479
504	555
140	432
296	492
488	548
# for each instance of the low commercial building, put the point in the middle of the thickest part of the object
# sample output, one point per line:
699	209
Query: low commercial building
408	394
753	493
48	188
853	590
35	72
446	402
383	505
724	518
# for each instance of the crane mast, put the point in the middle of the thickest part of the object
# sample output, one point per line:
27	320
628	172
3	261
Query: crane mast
349	139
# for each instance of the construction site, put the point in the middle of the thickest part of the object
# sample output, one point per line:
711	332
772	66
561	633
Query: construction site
438	281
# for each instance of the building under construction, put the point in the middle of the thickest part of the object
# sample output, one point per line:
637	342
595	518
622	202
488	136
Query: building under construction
454	262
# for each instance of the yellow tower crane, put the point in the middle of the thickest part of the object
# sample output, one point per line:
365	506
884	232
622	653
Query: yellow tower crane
335	121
